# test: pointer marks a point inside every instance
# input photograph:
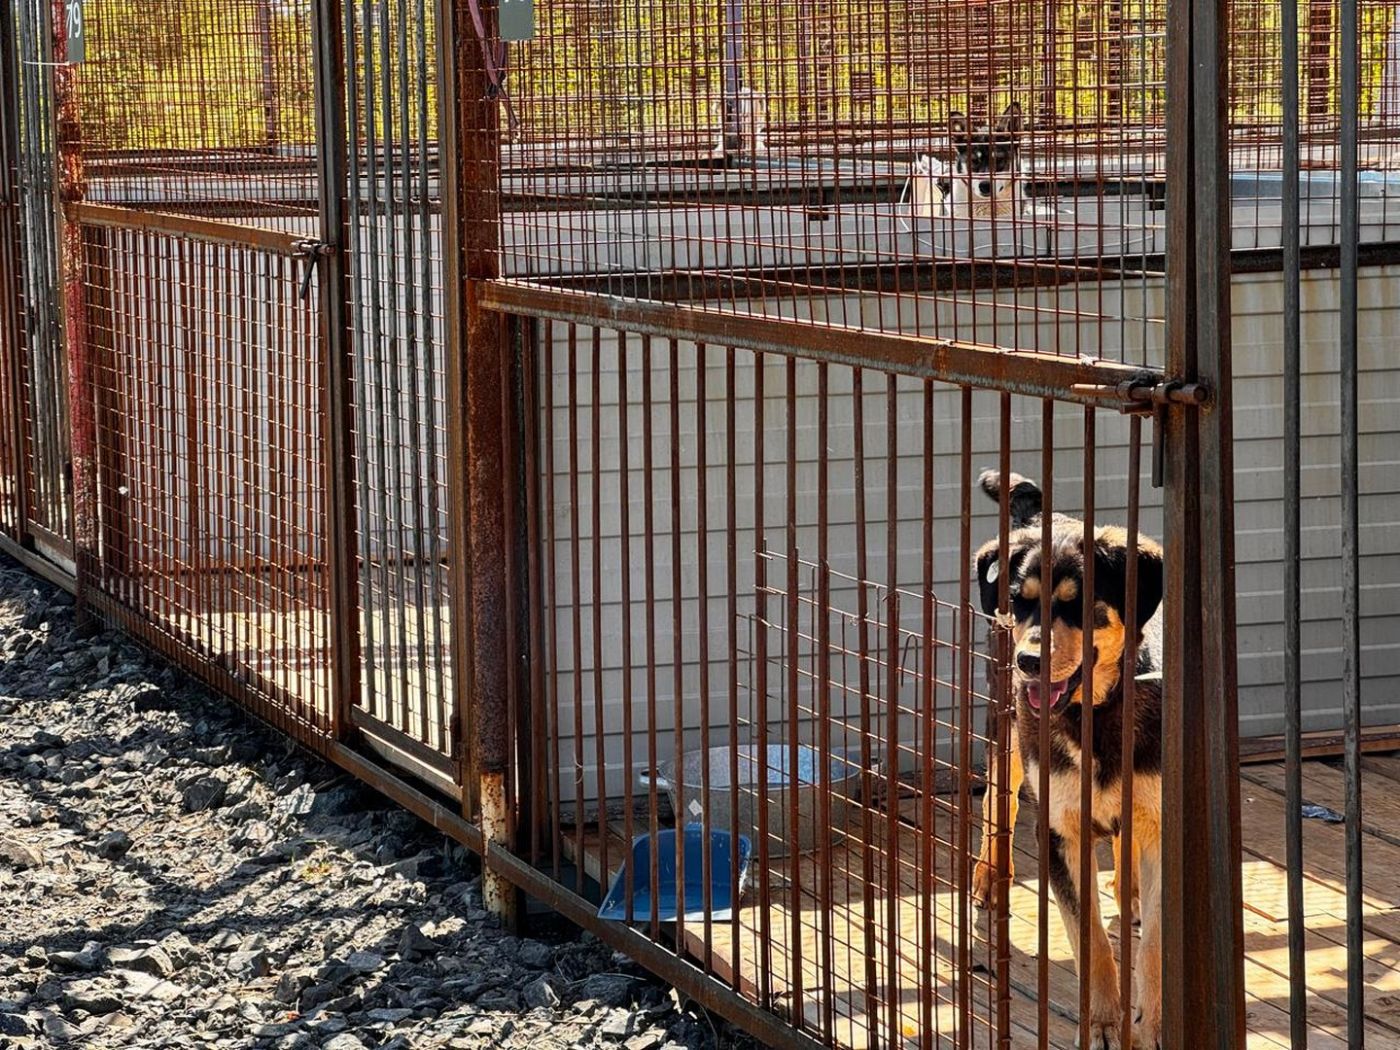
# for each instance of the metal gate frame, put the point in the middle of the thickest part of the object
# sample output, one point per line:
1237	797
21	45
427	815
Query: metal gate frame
1203	981
486	319
1203	976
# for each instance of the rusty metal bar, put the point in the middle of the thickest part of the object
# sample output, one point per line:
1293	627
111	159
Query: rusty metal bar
962	858
1349	62
337	361
450	18
1088	888
1047	590
471	112
71	187
410	745
999	743
1292	531
529	736
190	227
11	261
1202	951
99	294
1126	874
1034	374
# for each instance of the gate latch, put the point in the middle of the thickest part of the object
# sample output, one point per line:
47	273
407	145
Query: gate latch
313	252
1149	395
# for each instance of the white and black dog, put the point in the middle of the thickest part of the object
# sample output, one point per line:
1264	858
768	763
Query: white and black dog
985	176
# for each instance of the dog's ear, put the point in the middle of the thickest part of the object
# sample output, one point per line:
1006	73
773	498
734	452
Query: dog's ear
988	576
959	128
1010	122
1111	573
1026	499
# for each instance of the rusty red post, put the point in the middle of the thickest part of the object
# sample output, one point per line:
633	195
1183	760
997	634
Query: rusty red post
478	484
330	257
1203	940
70	189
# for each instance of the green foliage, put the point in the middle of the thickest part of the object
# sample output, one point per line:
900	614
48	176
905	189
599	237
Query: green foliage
196	75
237	74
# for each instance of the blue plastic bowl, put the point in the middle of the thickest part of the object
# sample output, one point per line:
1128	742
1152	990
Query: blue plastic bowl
720	844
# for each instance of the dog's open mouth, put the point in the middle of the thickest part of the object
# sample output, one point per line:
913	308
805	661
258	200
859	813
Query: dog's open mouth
1059	691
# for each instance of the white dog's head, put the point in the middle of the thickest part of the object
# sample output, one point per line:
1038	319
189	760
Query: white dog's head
986	170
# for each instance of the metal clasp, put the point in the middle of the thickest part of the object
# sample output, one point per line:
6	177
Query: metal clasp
1146	393
313	252
1149	394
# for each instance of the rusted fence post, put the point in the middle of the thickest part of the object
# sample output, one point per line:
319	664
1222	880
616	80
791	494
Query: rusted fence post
71	188
478	376
330	256
11	276
1203	943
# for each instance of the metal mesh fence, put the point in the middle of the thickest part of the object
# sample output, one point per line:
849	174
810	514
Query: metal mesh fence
401	418
201	106
209	388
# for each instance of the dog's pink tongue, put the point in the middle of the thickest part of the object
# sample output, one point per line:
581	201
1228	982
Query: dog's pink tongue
1057	690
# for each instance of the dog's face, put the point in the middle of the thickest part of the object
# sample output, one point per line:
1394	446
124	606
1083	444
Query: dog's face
1067	624
986	161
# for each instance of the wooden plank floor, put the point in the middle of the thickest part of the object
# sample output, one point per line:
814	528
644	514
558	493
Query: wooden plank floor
921	961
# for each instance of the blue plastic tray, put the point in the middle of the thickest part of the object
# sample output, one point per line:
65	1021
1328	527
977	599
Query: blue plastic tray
614	905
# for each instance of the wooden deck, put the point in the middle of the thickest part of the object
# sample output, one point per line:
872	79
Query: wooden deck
926	909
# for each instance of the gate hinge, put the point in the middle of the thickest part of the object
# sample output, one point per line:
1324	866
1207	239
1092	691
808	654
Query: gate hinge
454	736
313	252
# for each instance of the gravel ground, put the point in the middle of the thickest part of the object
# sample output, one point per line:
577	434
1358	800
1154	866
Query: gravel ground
173	874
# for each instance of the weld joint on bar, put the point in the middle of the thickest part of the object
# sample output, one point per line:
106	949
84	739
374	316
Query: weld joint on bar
1147	393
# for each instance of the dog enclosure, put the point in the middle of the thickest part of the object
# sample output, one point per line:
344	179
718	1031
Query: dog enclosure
571	423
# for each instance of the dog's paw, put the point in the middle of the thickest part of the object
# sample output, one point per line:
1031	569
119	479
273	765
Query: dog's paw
984	884
1105	1023
1147	1034
1103	1035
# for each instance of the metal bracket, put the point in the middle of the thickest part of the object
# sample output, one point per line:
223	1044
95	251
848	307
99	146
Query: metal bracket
313	252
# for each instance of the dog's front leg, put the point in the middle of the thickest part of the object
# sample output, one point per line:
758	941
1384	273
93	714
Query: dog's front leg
997	841
1117	875
1148	1033
1077	892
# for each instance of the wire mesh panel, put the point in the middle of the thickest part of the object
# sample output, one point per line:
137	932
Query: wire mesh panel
991	172
47	473
202	107
912	168
770	668
401	416
12	467
209	390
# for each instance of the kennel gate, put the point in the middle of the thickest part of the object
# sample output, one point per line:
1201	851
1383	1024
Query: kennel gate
259	295
634	453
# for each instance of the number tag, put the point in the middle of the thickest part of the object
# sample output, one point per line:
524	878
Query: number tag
517	19
73	24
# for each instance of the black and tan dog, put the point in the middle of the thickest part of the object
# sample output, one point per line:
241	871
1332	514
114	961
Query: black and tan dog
1062	706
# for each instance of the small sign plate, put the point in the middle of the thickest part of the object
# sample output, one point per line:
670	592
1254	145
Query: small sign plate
77	36
517	19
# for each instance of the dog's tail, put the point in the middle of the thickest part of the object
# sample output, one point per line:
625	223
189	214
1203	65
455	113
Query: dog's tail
1025	496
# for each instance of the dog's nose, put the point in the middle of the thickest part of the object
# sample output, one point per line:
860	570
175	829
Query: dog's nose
984	188
1028	661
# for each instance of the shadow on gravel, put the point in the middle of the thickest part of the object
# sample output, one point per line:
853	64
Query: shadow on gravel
173	874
